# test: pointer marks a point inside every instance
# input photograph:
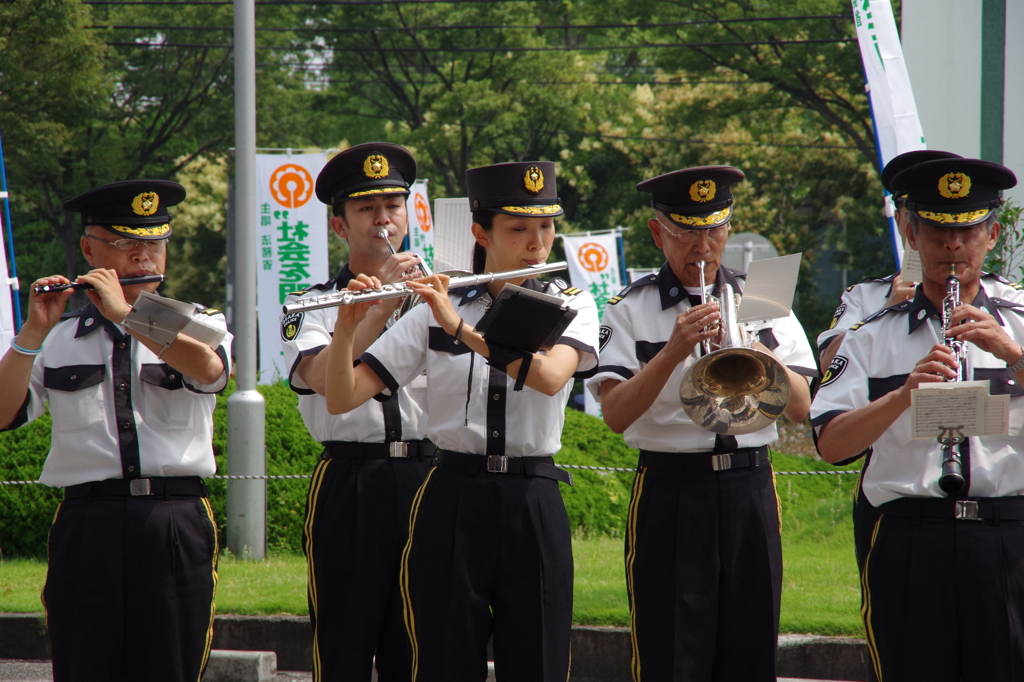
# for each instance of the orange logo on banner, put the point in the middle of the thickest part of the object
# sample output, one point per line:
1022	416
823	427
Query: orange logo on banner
422	209
291	185
593	257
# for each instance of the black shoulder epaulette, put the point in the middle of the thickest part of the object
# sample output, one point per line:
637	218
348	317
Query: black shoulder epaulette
642	282
738	274
996	276
899	307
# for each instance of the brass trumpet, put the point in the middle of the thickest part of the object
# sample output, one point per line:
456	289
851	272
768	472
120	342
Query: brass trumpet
735	389
401	289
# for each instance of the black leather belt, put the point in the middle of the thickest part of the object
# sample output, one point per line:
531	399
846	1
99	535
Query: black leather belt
704	461
180	486
978	509
544	467
395	449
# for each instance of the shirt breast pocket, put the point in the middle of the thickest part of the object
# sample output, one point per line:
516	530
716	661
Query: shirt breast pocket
167	406
75	394
1002	382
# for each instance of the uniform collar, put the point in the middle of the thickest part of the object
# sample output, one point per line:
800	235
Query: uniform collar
89	320
472	292
343	277
672	291
920	308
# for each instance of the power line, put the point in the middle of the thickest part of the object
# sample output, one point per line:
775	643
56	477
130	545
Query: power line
642	46
477	27
704	142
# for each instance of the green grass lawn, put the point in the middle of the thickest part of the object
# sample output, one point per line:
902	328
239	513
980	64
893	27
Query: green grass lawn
820	591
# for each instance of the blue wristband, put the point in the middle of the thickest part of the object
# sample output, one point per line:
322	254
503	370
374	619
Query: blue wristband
25	351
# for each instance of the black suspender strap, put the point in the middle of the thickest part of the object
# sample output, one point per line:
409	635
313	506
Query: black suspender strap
124	414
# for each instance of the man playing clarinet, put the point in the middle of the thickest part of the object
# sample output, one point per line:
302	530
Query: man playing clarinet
943	580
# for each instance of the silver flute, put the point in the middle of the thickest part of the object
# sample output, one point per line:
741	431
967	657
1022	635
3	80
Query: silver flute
401	289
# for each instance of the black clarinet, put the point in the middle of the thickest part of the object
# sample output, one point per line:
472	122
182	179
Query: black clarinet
951	478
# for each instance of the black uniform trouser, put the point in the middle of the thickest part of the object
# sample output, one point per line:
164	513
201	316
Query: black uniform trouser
357	522
488	552
864	517
129	589
944	600
704	573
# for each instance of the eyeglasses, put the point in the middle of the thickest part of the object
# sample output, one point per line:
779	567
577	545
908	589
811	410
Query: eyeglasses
693	236
151	245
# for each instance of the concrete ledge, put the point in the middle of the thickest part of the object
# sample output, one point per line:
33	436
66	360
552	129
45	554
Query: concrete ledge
599	654
241	666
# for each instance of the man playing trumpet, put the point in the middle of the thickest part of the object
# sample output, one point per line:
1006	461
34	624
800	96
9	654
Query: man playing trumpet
943	583
133	548
703	551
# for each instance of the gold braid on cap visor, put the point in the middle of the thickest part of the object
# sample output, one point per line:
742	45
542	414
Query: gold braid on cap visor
712	220
156	231
379	190
533	210
955	218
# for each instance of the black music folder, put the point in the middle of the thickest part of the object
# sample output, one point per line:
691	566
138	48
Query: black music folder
525	319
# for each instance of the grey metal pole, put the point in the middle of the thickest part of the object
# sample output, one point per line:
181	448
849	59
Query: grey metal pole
247	499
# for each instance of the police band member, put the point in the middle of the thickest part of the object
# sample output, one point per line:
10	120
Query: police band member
133	548
863	299
703	552
489	548
942	579
375	457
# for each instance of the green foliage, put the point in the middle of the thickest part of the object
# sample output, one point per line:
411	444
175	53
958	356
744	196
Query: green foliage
598	501
25	510
1007	258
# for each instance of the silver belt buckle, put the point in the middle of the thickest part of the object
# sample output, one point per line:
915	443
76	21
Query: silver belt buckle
966	510
497	464
398	449
139	486
721	462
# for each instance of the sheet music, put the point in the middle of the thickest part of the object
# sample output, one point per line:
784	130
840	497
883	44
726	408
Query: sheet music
911	268
768	292
453	235
997	415
943	405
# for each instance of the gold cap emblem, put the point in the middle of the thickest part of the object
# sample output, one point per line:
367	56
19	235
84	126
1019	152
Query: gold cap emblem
702	191
376	167
145	203
954	185
533	179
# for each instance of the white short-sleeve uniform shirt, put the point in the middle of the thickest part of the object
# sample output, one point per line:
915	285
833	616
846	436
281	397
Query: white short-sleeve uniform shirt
876	357
306	333
114	402
471	406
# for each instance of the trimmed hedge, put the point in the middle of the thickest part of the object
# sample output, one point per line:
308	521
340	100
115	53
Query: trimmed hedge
596	504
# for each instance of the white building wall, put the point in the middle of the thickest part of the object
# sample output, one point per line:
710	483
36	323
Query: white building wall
1013	97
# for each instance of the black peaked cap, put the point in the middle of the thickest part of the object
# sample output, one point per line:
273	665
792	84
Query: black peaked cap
131	208
366	170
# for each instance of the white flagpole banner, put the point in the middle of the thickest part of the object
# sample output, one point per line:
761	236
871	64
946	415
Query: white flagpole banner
421	223
6	307
292	250
594	265
898	127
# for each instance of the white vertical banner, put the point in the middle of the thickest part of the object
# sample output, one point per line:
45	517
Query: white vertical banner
897	124
291	252
421	223
6	307
594	267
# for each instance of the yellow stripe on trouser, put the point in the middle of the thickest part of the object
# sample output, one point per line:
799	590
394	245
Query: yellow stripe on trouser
403	577
634	503
213	596
865	608
311	500
778	500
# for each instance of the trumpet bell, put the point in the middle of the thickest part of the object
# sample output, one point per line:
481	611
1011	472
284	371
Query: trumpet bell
734	391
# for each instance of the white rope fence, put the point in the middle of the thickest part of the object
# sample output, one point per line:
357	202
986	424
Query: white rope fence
563	466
